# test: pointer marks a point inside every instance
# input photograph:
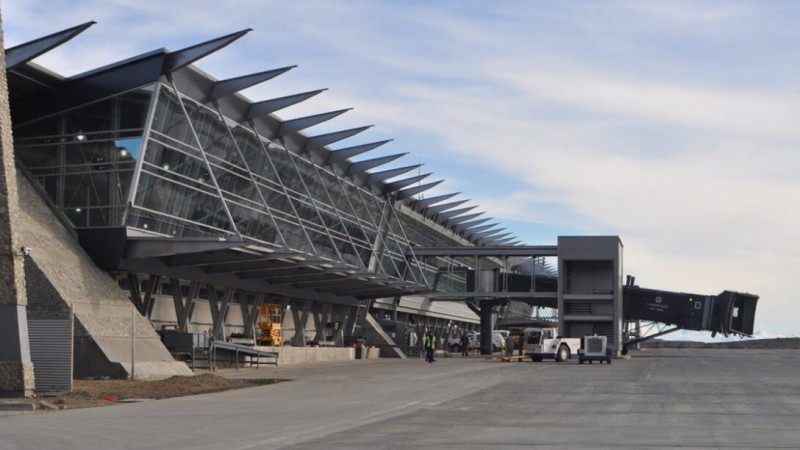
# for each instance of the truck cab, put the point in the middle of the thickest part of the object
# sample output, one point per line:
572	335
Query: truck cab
544	343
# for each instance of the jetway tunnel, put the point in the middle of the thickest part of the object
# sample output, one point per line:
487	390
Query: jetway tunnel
729	313
585	286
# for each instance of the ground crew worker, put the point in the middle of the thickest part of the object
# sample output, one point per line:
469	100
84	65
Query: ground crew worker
464	345
510	345
430	347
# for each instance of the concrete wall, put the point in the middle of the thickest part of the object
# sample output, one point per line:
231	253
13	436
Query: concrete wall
295	355
62	276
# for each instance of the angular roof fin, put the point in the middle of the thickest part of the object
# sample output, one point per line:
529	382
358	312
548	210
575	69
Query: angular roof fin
399	184
182	58
23	53
412	191
322	140
301	123
426	202
433	210
467	225
456	212
475	230
363	166
377	177
485	234
224	88
349	152
276	104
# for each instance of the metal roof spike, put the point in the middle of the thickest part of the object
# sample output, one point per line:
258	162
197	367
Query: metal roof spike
493	239
456	212
182	58
433	210
23	53
399	184
362	166
276	104
486	234
423	203
504	241
231	86
321	140
377	177
301	123
482	228
412	191
349	152
457	221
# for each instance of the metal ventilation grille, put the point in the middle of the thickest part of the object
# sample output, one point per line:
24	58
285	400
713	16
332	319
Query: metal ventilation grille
605	329
51	354
579	308
594	344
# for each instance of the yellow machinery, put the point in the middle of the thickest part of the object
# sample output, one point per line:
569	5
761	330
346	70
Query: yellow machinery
269	322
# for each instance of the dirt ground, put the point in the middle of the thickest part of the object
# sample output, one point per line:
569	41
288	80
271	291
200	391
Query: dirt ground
90	393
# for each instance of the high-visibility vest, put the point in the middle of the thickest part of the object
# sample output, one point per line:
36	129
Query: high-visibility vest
430	342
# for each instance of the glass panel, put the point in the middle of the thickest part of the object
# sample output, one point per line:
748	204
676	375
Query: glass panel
182	202
85	157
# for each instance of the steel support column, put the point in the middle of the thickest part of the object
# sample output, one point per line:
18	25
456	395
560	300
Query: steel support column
300	318
486	327
183	307
250	311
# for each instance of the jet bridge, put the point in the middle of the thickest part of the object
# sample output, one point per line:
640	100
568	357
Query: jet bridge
729	313
587	289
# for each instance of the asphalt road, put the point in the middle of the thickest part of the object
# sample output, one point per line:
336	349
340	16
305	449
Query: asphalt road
696	398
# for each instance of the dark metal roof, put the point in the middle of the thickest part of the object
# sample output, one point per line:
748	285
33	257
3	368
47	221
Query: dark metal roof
247	266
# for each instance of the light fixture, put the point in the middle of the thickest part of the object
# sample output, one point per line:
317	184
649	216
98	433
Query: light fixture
123	152
77	210
80	137
144	226
165	166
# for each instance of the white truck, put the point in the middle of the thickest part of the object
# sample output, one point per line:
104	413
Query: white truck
498	341
544	343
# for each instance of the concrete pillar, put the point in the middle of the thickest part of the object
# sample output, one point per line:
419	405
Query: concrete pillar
16	368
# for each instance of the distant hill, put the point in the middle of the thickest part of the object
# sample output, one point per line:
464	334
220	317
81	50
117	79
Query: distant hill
744	343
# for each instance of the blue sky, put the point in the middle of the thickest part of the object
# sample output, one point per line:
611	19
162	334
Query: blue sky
674	125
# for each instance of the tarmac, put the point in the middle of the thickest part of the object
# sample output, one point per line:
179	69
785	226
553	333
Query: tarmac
660	398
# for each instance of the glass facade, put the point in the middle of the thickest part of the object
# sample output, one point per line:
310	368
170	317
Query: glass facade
159	162
85	158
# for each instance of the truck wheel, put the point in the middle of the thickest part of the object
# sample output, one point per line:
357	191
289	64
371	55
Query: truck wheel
455	348
563	353
536	358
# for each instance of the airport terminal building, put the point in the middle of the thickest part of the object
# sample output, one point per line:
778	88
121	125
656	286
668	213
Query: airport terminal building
203	205
154	197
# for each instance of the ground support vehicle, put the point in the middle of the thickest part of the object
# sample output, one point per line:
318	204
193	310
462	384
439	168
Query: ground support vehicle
498	342
544	343
269	324
594	348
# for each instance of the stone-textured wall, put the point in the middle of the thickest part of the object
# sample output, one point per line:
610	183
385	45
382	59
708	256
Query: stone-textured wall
16	368
12	276
62	275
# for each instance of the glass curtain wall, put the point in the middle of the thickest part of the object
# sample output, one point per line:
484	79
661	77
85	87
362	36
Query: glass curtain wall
292	201
85	158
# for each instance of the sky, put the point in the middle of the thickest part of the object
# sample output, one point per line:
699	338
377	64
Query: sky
672	124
